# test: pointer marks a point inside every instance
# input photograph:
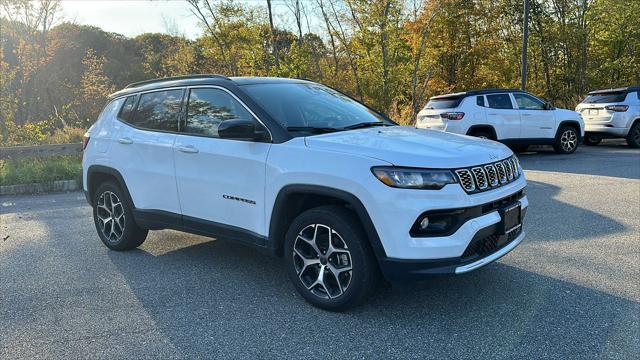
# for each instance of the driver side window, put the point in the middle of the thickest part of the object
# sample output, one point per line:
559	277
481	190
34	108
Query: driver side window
527	102
207	108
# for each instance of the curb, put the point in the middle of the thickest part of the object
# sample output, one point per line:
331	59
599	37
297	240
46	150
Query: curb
54	186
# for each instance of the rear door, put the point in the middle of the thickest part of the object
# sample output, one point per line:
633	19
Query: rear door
503	115
536	122
143	150
221	182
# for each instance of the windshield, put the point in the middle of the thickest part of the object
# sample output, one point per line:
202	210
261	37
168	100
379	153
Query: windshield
312	108
604	98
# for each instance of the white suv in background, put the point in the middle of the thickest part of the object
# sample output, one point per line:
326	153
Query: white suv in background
301	171
513	117
612	113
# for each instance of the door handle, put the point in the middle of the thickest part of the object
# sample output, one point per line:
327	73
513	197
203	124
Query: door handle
493	114
125	141
526	114
188	149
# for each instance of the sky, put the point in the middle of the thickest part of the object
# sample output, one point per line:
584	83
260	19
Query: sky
134	17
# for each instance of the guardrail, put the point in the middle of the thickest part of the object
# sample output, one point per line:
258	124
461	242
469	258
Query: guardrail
22	152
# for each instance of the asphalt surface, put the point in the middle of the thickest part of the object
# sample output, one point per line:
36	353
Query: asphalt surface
571	290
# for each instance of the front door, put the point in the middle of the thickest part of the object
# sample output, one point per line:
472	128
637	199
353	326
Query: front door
536	121
221	182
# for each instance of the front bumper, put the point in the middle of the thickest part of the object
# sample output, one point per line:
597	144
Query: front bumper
410	257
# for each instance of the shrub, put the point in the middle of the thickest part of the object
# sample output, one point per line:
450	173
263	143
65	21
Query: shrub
40	170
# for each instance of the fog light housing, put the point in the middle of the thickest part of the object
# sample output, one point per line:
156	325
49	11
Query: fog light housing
439	223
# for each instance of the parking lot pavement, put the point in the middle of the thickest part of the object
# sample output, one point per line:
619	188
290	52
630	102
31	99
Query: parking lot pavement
571	290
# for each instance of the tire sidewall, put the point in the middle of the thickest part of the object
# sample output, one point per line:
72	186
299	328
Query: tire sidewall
591	140
350	231
630	137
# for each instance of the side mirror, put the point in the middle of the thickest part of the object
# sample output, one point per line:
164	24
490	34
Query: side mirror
548	106
237	129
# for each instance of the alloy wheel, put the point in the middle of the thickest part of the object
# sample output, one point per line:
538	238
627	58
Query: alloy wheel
569	140
322	261
110	216
636	135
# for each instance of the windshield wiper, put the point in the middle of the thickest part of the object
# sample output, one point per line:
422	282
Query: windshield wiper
313	129
365	125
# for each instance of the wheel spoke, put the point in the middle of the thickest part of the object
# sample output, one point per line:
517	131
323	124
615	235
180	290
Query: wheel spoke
323	273
110	216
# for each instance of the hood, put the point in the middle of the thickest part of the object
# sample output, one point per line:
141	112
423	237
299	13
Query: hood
408	146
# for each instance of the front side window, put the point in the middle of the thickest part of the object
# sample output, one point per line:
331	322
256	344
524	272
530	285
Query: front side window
308	108
158	110
528	102
207	108
499	101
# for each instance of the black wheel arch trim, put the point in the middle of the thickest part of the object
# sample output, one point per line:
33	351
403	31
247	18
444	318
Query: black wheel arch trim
106	170
572	123
481	127
278	225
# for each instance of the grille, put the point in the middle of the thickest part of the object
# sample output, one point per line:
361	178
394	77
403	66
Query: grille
489	176
492	175
466	180
488	245
480	177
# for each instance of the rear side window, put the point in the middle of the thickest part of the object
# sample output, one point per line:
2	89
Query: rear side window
499	101
444	103
603	98
208	108
126	113
480	100
158	110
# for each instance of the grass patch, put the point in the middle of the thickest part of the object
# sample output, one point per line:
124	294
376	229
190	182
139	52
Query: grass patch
40	170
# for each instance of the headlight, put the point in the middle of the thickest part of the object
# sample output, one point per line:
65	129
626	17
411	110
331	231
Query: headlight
409	178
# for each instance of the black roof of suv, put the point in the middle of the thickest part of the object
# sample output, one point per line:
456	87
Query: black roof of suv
627	89
199	79
464	94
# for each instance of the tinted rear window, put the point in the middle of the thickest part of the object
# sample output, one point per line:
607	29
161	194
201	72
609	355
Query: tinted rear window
499	101
127	108
158	110
605	98
445	103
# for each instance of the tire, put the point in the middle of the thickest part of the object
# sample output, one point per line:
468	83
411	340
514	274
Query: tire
482	134
591	140
121	233
520	148
633	137
567	140
335	279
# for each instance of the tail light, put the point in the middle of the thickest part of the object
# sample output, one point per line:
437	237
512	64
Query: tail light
452	115
617	108
85	140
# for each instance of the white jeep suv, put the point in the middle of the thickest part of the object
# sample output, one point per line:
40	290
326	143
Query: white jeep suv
513	117
612	113
301	171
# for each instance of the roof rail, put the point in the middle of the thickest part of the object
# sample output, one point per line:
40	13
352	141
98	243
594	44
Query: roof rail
174	78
